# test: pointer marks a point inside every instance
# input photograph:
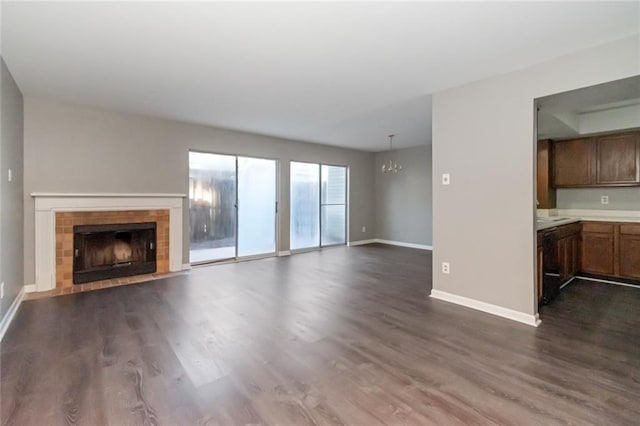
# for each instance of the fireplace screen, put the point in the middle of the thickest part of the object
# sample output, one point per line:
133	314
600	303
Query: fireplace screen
111	251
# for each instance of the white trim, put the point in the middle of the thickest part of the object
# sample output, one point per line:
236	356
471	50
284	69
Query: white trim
284	253
606	281
11	312
361	242
401	244
45	216
186	266
567	283
103	195
528	319
30	288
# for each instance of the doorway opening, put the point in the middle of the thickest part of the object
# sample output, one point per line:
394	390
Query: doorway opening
588	188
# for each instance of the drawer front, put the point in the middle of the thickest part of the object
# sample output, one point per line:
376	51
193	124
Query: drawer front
630	228
598	227
567	230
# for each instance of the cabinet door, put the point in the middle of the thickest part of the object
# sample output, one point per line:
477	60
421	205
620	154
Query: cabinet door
575	248
568	257
573	162
597	253
629	250
546	194
618	159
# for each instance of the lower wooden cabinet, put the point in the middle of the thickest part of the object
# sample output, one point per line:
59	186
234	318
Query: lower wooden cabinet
611	249
568	257
597	253
629	250
568	249
604	249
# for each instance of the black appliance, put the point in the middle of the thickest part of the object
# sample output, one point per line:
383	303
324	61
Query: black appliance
551	274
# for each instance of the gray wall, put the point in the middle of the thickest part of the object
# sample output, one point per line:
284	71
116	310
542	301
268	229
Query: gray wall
483	135
78	149
589	198
11	206
403	201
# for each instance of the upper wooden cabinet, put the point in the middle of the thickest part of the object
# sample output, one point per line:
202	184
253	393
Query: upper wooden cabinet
546	195
606	160
574	163
618	159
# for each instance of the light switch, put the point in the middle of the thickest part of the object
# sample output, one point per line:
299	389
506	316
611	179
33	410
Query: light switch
446	179
10	175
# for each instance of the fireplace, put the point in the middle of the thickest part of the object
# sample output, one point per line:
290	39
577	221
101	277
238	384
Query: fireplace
113	250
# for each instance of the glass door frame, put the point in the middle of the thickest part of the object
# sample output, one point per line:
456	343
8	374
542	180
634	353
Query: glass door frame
346	210
346	206
237	258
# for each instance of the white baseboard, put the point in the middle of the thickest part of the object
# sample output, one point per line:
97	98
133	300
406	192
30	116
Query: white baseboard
532	320
186	266
401	244
606	281
11	312
284	253
361	242
30	288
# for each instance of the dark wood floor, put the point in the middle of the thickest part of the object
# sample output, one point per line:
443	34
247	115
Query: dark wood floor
341	336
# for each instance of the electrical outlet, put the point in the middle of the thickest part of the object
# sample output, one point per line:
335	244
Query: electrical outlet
604	199
9	175
446	179
364	229
445	267
2	291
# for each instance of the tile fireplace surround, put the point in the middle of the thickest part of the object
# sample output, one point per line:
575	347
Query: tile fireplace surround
57	212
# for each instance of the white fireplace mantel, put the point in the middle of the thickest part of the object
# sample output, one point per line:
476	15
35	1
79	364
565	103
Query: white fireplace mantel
47	204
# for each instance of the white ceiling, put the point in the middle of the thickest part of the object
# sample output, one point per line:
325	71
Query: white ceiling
345	74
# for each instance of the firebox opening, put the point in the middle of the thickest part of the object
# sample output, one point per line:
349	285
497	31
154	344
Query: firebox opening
112	251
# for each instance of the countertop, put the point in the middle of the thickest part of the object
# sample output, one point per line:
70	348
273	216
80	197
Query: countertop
572	216
552	224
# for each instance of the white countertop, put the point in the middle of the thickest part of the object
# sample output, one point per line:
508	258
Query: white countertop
540	225
572	216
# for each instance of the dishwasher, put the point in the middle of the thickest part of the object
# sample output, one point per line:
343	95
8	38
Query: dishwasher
551	273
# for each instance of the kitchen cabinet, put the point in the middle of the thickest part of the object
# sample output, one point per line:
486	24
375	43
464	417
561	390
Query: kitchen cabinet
629	250
568	247
598	248
574	163
598	161
546	193
618	159
568	257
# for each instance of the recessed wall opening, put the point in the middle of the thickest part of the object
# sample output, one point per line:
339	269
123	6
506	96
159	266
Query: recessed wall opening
111	251
587	189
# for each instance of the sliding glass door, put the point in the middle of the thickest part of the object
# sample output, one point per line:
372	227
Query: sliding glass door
232	207
256	206
305	209
333	205
212	212
318	205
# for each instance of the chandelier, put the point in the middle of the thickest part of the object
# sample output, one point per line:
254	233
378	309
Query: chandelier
391	167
